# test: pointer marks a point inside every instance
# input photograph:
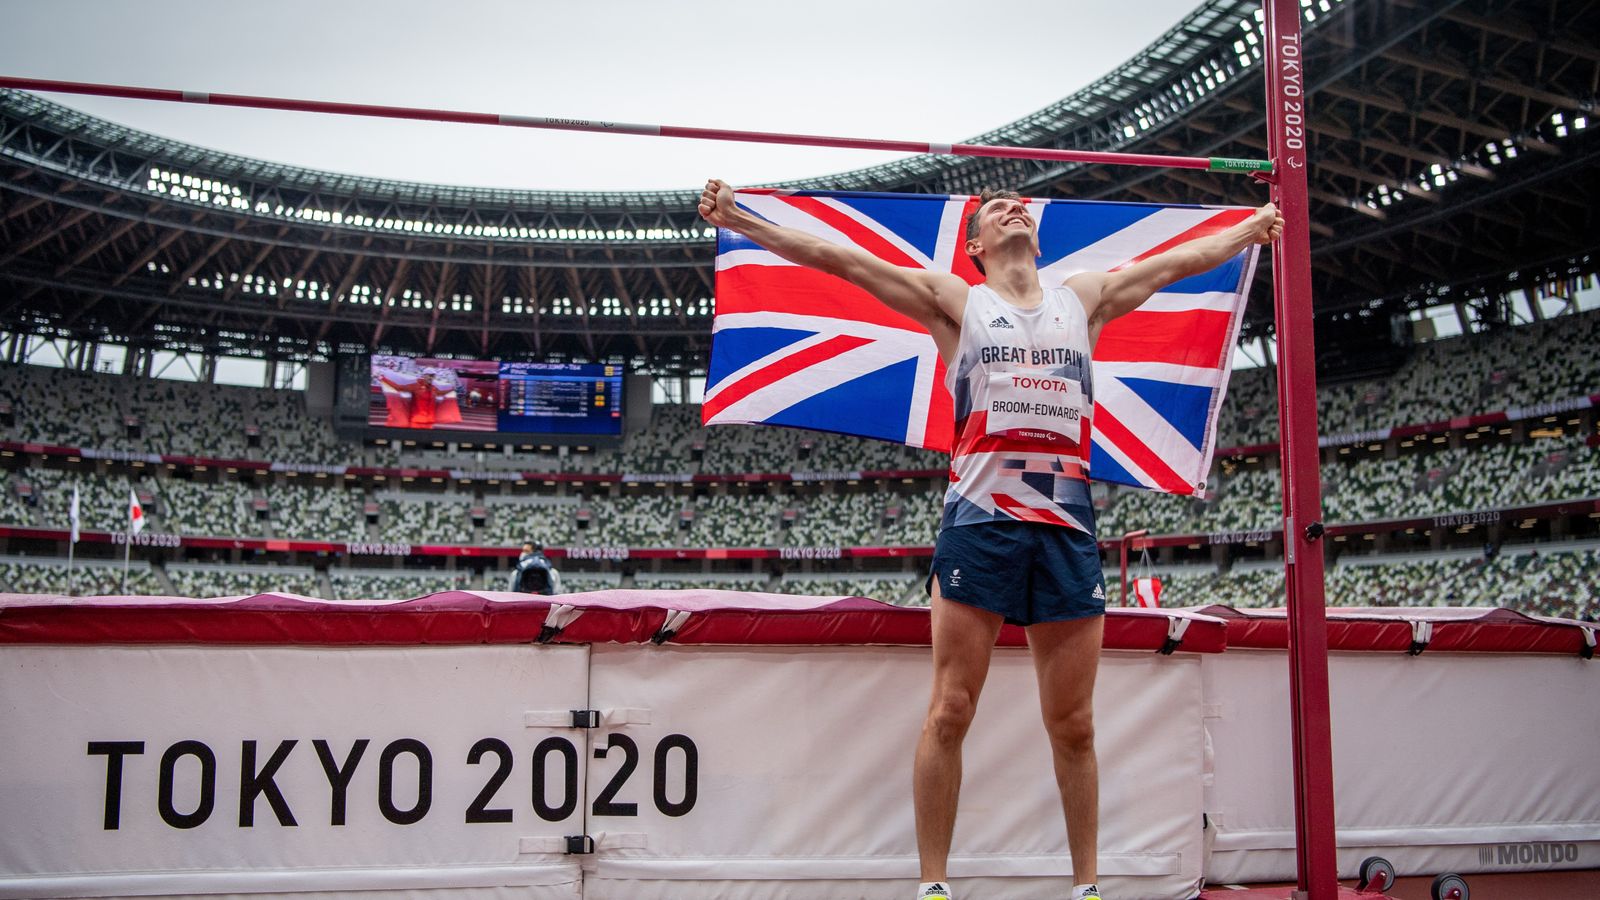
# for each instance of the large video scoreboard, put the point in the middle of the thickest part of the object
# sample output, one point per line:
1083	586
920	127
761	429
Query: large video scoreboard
458	395
558	398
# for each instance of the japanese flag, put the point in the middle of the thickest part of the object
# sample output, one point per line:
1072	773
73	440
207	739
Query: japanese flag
135	514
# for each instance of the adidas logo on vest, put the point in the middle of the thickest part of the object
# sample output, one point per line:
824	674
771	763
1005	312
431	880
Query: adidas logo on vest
1001	323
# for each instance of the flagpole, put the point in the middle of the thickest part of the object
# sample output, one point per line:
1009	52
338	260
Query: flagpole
1208	163
72	542
127	551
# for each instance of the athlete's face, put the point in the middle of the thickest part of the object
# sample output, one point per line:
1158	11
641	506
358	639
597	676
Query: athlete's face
1002	220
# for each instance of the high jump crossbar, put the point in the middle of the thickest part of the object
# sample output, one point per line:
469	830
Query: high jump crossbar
1283	72
553	123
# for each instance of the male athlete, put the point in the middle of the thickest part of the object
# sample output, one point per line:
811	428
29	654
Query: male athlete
1017	539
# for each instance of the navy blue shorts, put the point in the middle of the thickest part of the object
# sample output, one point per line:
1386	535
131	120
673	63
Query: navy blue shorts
1025	571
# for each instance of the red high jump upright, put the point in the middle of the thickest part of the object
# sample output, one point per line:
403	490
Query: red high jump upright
1285	78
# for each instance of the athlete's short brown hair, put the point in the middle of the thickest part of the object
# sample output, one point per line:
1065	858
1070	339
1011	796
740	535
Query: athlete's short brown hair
972	221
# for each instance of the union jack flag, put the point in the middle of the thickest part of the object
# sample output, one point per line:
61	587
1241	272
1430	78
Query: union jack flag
796	347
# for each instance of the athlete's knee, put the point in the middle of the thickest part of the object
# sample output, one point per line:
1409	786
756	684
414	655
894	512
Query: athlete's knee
950	714
1071	732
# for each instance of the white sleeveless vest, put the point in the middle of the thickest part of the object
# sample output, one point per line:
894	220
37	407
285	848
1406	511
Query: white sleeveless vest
1023	399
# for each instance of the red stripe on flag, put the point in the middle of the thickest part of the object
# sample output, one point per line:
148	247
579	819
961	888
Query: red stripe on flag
783	368
1142	456
864	237
939	433
798	291
1198	338
1222	221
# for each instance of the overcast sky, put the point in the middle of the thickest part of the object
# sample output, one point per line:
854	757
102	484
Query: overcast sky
934	70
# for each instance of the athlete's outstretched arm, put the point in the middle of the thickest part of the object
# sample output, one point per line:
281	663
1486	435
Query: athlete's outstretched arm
916	293
1107	295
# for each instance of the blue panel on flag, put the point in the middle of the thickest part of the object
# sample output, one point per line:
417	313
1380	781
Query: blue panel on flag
1066	228
1184	406
734	348
1104	467
916	222
1223	279
878	404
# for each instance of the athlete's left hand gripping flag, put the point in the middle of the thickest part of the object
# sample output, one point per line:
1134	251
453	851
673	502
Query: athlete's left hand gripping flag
799	348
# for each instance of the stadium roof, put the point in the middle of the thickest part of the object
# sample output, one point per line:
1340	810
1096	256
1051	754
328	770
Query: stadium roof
1451	147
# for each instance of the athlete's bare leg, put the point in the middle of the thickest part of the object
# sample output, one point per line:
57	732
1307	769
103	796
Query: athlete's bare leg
963	640
1066	656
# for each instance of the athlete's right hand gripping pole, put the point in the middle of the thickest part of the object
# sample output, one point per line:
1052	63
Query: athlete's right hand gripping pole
1297	423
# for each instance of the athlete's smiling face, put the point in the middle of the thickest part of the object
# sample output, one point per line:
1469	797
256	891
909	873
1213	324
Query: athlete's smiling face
1001	220
1004	216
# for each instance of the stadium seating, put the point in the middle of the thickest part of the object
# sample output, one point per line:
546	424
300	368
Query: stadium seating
289	434
1432	482
103	499
206	508
579	582
747	449
216	580
1545	362
1535	464
1248	501
511	522
837	452
1131	509
1553	579
634	521
1419	484
714	581
1250	416
177	418
918	522
415	519
35	575
56	406
330	513
398	584
729	520
13	508
836	520
665	446
903	590
1442	379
